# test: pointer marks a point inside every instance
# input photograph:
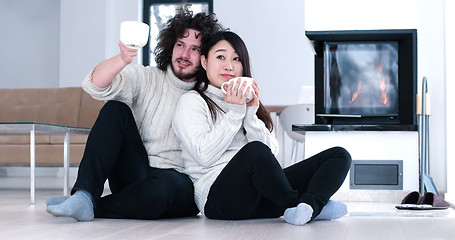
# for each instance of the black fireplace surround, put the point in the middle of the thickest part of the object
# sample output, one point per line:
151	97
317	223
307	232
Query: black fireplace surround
365	79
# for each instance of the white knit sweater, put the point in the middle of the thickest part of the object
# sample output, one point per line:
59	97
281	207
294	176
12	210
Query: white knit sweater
207	147
152	95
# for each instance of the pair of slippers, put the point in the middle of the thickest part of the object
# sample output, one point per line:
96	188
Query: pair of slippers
429	201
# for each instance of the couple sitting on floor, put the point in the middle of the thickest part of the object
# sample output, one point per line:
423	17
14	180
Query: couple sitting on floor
172	144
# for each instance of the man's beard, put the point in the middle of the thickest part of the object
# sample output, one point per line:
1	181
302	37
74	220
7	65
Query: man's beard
184	76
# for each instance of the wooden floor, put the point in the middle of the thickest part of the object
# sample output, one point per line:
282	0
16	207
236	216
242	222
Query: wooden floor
366	220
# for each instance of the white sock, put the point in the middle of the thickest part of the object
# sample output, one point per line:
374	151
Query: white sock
79	206
298	215
56	200
332	210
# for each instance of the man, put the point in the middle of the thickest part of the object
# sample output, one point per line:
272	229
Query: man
137	151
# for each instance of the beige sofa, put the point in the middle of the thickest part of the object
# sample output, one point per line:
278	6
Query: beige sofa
61	106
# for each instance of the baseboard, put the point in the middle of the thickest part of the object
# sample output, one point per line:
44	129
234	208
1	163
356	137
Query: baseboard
370	196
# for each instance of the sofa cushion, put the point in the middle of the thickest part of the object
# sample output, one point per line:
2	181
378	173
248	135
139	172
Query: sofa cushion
60	106
23	139
45	155
59	139
47	105
89	110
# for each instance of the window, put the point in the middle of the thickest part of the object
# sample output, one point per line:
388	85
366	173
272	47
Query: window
157	12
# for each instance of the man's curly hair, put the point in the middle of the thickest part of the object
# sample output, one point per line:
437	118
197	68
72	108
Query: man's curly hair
206	24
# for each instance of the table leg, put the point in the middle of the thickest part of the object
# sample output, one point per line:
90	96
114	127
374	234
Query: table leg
280	137
66	157
279	132
32	166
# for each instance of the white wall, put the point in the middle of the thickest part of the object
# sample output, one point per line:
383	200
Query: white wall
82	31
425	16
117	12
450	89
89	33
29	43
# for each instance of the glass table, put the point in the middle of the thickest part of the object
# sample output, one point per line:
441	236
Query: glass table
33	129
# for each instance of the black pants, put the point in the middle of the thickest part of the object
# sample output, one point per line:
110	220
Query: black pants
115	151
253	184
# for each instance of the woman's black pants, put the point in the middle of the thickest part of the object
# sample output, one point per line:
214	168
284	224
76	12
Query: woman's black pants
253	184
115	151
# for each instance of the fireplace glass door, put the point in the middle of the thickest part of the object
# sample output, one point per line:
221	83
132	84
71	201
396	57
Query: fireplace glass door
361	78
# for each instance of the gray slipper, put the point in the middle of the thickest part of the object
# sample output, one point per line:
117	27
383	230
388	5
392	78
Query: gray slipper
410	201
434	200
430	201
412	198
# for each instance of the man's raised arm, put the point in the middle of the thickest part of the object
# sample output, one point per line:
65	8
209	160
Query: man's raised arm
105	72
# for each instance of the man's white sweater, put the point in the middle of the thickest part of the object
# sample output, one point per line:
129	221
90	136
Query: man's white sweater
207	147
152	95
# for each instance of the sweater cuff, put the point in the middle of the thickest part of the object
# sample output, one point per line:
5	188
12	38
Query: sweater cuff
236	111
90	87
251	112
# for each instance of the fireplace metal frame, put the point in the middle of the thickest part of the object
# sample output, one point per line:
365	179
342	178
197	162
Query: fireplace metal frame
407	75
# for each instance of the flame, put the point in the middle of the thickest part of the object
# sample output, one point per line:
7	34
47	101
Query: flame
383	80
384	99
356	93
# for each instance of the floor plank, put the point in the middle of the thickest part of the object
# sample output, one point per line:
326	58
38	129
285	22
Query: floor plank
366	220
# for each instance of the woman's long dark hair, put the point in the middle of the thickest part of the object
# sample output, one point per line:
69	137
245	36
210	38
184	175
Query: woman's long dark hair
202	81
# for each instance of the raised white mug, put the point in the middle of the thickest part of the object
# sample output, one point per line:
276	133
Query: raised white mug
134	34
249	83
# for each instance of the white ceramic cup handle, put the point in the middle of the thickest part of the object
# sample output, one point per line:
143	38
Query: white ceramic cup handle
222	87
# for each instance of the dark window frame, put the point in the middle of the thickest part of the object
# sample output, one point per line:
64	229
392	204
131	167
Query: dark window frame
146	19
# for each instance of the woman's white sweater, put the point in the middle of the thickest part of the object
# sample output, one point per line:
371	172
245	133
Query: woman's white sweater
207	147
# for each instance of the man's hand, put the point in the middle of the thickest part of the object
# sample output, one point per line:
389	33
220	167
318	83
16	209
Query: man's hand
127	54
105	71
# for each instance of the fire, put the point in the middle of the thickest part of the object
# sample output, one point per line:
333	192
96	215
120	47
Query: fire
356	93
382	81
384	99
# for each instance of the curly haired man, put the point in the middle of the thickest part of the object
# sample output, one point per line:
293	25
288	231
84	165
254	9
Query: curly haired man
132	143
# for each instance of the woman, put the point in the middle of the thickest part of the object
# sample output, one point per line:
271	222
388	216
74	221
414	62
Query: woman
228	149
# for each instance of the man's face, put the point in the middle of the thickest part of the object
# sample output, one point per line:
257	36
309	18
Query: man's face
186	55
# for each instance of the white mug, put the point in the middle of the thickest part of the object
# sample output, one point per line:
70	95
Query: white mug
249	83
134	34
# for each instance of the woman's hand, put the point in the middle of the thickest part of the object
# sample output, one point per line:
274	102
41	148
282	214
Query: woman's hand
255	100
127	54
234	93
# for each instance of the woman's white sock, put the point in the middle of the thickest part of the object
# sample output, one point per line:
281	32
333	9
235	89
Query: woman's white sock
332	210
298	215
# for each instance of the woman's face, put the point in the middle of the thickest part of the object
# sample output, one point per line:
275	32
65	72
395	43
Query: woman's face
222	63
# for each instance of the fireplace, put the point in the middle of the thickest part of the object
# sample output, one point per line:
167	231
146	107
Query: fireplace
366	78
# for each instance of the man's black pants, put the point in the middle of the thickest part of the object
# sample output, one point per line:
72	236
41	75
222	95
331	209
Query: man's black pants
115	151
